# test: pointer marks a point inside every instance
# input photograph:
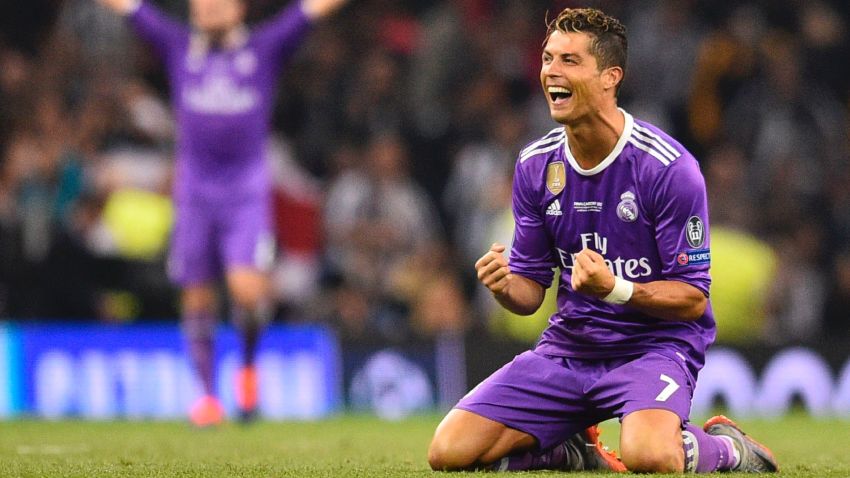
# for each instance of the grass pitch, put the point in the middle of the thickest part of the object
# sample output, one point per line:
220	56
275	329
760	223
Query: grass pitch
346	446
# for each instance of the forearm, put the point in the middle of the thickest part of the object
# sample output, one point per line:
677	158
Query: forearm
520	295
669	300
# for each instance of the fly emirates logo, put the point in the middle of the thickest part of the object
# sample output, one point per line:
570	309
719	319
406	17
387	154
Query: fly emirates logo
626	268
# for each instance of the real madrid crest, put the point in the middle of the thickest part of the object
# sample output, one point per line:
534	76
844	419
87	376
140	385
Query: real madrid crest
627	210
556	178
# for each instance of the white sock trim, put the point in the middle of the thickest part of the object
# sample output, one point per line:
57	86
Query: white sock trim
692	455
735	453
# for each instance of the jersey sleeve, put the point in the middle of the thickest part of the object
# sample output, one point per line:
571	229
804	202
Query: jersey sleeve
682	228
531	252
282	35
158	29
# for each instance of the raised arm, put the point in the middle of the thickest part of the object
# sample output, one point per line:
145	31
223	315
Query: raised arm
281	36
121	7
318	9
155	27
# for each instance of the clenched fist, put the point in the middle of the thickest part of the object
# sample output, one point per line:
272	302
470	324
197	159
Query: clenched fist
493	269
591	275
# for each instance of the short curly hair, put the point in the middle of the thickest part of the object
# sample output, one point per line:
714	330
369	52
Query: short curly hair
608	43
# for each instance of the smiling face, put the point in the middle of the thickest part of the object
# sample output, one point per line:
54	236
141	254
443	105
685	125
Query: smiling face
572	81
584	61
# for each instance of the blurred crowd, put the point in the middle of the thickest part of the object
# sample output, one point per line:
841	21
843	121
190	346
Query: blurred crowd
396	132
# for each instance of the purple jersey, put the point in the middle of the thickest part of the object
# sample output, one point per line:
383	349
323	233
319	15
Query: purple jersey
644	209
223	98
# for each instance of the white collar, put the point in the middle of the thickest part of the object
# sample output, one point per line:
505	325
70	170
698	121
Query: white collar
618	148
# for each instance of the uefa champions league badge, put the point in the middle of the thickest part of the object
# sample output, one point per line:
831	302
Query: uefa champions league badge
695	232
627	210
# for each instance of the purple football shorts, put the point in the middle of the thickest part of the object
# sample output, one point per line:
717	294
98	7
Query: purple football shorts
209	240
552	398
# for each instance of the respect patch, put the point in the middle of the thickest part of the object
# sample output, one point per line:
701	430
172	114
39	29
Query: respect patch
701	256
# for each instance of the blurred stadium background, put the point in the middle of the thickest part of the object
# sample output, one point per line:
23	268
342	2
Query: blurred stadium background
397	127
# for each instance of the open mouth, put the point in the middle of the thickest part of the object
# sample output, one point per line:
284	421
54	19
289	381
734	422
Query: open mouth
559	94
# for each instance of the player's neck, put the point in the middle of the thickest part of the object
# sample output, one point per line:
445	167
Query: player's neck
591	140
227	39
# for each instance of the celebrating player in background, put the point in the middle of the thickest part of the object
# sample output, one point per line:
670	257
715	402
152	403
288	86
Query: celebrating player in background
620	207
222	77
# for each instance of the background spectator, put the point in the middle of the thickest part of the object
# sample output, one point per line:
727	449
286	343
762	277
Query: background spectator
399	126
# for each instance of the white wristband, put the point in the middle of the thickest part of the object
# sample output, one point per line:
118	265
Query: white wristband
621	293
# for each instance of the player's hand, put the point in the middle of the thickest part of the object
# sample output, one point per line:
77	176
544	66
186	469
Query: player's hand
318	9
493	269
591	275
122	7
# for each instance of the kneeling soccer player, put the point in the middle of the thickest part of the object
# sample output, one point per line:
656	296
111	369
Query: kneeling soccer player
620	207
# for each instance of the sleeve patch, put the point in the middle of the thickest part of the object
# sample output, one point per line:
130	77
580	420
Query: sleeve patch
701	256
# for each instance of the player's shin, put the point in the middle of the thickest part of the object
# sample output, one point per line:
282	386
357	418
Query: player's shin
250	325
199	330
553	459
705	453
582	452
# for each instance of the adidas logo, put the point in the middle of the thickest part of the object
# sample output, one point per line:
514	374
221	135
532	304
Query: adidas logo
554	209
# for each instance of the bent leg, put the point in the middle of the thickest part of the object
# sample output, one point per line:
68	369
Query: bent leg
247	250
651	442
198	323
528	415
654	441
464	440
248	289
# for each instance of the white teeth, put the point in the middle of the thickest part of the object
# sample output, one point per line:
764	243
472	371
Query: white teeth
559	89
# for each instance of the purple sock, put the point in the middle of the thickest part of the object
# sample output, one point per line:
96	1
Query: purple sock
552	459
706	453
250	325
198	330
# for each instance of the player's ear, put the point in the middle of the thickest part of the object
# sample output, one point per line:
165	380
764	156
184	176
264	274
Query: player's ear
611	77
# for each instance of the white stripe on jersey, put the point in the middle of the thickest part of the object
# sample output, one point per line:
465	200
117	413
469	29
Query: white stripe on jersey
550	137
637	135
658	156
545	149
658	138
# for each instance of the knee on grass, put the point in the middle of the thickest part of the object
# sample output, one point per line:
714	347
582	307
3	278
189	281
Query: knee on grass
444	457
656	459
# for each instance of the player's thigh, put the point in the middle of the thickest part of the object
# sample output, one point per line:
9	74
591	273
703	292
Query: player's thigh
193	256
651	381
464	440
536	395
247	247
651	441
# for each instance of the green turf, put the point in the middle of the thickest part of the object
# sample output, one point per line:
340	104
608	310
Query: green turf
341	447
